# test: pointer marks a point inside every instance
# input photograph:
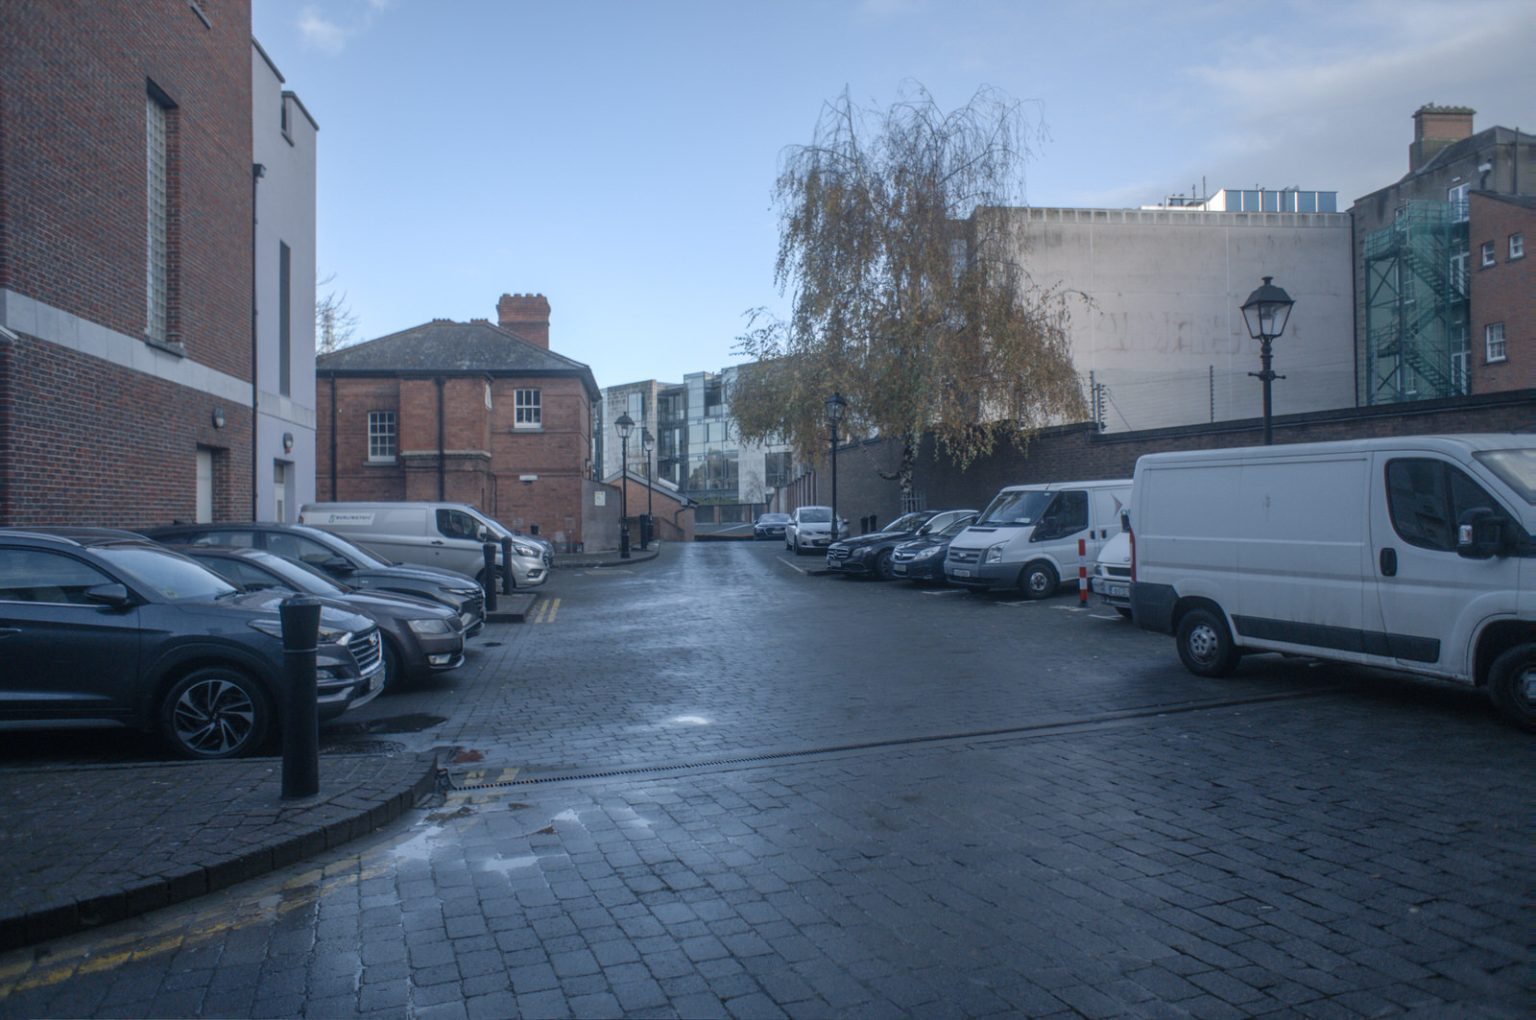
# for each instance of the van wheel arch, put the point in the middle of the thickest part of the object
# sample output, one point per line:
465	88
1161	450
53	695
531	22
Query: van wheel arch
1496	639
1204	638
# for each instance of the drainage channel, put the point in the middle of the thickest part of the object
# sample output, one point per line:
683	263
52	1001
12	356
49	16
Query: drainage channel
488	778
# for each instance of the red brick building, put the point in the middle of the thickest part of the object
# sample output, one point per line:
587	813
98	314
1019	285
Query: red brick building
471	412
125	261
1502	291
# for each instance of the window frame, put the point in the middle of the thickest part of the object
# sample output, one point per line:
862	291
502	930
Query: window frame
1486	258
1489	341
527	408
1517	245
380	438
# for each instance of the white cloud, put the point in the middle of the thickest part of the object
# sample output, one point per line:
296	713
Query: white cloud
331	35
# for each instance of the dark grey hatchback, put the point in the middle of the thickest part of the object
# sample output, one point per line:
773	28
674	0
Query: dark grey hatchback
103	625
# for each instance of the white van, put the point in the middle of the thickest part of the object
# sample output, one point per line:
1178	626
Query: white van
1027	536
449	536
1110	578
1411	553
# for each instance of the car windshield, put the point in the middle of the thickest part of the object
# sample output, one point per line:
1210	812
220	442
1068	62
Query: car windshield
172	575
773	518
815	515
359	556
1016	508
298	576
956	526
907	522
1515	468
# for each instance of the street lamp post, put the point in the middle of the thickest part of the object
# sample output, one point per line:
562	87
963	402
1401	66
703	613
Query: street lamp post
648	444
1266	312
836	405
625	425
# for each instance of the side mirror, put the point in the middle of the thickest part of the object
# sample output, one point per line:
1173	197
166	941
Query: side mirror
1479	534
114	595
337	565
483	533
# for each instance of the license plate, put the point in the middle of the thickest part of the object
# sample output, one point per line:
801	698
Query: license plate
898	568
1117	591
961	572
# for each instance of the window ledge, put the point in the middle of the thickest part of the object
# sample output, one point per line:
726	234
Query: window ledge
174	347
1496	361
380	461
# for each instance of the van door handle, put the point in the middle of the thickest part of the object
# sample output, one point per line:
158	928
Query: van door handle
437	541
1389	563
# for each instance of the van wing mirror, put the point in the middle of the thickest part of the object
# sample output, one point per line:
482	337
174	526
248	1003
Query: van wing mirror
1479	534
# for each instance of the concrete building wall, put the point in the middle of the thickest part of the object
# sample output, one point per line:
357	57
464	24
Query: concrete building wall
1155	298
99	424
284	143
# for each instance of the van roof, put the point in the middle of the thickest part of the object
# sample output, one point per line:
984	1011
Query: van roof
1462	445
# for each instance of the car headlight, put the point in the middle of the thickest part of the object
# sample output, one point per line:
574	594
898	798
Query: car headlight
327	634
463	593
523	550
928	553
429	625
995	554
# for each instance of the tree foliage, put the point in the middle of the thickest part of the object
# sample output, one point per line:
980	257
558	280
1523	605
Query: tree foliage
335	321
908	295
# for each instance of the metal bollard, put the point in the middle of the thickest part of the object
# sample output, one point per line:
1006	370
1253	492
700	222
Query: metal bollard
300	615
488	576
506	565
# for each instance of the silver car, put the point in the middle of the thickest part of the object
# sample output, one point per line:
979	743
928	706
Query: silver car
810	528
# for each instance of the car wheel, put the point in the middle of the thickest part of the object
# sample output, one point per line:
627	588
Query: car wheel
1205	643
216	712
1512	685
1039	580
797	545
883	569
395	679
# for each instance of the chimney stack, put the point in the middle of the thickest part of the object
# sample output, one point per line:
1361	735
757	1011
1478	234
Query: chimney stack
527	315
1435	127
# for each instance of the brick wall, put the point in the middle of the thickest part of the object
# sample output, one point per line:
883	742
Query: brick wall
1079	452
1504	292
88	441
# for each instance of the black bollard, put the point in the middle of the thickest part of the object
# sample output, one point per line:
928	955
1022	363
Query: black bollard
301	712
506	565
489	576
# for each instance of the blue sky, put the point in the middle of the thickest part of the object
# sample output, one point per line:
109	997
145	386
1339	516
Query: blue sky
619	158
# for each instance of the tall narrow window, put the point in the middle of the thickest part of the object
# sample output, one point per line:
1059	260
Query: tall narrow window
1493	341
284	321
381	435
1461	357
528	413
157	282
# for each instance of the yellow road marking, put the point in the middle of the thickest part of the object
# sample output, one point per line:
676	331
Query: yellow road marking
554	607
538	610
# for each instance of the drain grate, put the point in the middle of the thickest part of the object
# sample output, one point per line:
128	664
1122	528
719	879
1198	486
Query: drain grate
481	779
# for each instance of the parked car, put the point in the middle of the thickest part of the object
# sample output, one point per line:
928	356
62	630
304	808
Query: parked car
769	526
340	560
1111	577
448	536
922	558
1410	553
420	636
1027	537
97	624
872	555
810	528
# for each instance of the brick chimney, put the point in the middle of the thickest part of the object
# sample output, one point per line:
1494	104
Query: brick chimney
527	315
1435	127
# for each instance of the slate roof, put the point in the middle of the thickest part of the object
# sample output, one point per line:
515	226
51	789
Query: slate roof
443	346
1466	148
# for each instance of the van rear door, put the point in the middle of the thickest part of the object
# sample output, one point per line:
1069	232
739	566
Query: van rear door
1429	599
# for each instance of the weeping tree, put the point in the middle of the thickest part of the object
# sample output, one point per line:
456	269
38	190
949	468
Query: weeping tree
908	296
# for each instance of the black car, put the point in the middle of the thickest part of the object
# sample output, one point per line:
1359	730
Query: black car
101	625
922	559
872	554
420	636
341	560
769	526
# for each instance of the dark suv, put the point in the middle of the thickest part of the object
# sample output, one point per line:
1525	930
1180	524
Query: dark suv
102	625
338	558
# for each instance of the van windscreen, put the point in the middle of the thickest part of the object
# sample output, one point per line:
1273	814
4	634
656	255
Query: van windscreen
1021	508
1515	468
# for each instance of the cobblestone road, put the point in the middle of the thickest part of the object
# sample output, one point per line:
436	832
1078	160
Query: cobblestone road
712	785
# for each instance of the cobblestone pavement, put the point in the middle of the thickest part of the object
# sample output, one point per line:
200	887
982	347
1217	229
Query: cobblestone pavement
712	785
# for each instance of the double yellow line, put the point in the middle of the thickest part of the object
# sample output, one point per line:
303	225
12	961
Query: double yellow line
545	610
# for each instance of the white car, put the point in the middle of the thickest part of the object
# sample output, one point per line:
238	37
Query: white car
810	528
1111	580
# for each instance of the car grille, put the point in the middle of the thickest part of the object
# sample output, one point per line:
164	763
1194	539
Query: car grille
367	650
964	557
473	607
837	555
903	557
1121	572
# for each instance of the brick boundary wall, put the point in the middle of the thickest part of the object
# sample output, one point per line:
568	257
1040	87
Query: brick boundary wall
1080	452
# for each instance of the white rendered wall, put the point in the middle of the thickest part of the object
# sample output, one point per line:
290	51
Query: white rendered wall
285	212
1156	307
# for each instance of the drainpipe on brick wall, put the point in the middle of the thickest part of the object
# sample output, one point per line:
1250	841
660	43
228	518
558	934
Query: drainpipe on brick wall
442	484
333	437
257	172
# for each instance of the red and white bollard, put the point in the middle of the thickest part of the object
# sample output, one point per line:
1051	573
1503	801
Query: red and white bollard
1082	572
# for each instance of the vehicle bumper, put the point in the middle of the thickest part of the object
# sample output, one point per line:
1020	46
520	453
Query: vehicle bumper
983	576
1113	591
920	570
343	695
